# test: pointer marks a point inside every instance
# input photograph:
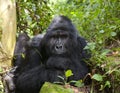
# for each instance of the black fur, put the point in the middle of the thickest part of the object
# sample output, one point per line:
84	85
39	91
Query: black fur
22	40
48	57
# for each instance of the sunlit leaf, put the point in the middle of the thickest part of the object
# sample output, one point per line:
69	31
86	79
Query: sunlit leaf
79	83
107	83
101	31
97	77
105	51
23	55
90	46
113	33
68	73
72	12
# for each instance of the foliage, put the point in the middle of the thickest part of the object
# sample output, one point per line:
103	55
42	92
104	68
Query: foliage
53	88
97	77
33	16
64	80
1	84
97	21
68	73
1	87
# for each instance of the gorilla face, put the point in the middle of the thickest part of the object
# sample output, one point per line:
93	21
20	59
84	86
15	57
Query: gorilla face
58	42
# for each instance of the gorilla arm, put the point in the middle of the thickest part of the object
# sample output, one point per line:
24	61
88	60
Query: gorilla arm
35	78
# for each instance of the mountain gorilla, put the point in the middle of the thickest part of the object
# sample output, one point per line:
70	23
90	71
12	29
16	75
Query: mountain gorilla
63	49
46	58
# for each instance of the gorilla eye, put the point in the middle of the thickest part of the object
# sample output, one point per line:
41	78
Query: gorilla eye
54	36
64	36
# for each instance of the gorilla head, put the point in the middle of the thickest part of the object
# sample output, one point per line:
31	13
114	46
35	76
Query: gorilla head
61	37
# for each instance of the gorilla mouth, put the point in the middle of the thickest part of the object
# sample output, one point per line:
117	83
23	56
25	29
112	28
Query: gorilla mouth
59	52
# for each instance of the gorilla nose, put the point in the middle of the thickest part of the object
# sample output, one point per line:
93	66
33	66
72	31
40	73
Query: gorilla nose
58	47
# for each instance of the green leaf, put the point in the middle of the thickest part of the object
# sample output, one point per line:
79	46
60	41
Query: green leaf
113	33
90	46
62	78
100	41
107	83
1	69
105	52
101	31
101	87
23	55
79	83
68	73
33	25
97	77
72	13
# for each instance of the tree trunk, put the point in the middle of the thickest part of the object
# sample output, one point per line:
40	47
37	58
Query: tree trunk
8	30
